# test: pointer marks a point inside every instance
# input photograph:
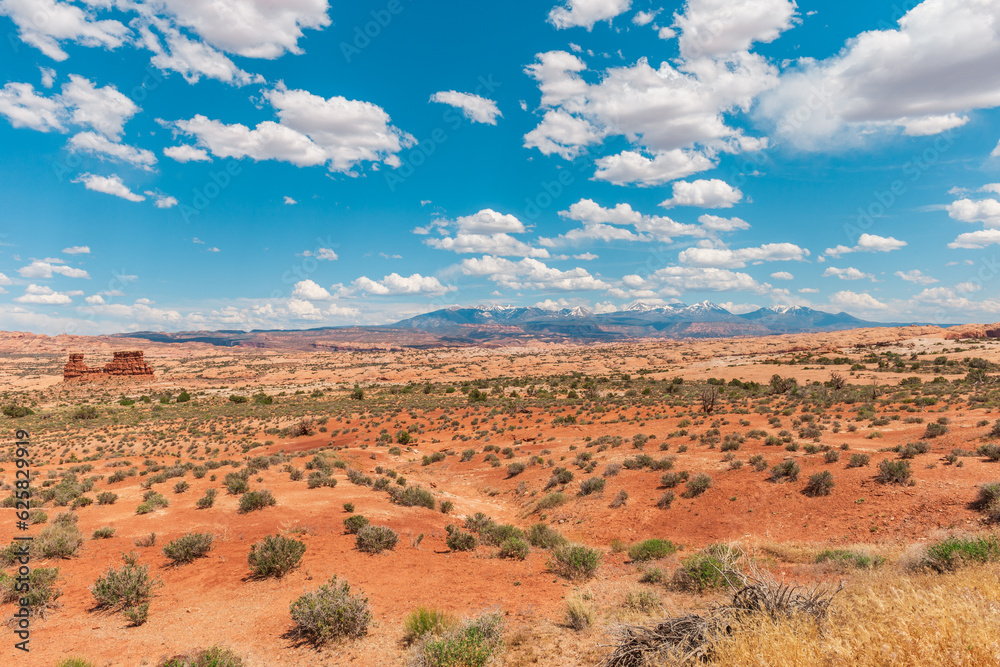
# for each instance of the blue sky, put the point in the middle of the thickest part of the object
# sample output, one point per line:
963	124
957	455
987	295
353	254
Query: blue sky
181	165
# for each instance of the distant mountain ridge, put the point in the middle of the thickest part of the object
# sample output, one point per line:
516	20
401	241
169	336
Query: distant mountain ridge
495	325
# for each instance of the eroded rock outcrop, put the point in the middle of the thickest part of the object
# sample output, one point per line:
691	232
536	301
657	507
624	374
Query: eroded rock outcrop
123	364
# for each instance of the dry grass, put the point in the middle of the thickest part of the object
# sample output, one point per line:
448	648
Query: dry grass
883	618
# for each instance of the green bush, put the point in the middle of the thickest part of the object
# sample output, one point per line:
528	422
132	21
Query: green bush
893	472
17	411
542	536
446	506
712	567
188	547
86	412
412	496
698	485
75	662
651	549
515	548
331	612
106	498
104	533
858	461
210	657
952	553
459	540
42	594
256	500
988	501
376	539
592	485
207	500
575	561
846	558
786	471
124	588
61	539
275	556
819	484
235	483
989	451
551	500
426	620
473	644
354	523
238	399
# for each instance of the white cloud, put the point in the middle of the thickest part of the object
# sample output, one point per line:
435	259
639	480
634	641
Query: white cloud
632	167
45	23
853	301
336	132
711	193
477	109
923	76
714	223
735	259
644	18
187	154
599	224
163	201
719	27
24	108
498	244
585	13
44	295
972	240
739	308
289	201
782	275
192	59
697	279
77	250
996	151
97	144
48	76
488	221
44	268
915	276
109	185
986	211
95	300
850	273
402	285
530	273
586	257
311	291
867	243
325	254
103	109
562	134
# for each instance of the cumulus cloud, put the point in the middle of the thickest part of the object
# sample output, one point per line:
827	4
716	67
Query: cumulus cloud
477	109
922	77
719	27
711	193
44	268
311	291
23	107
856	302
101	146
41	294
161	200
289	201
396	284
530	273
986	211
192	59
109	185
602	224
916	276
698	279
77	250
44	24
714	223
585	13
325	254
867	243
782	275
735	259
644	18
486	231
311	131
630	167
187	154
972	240
850	273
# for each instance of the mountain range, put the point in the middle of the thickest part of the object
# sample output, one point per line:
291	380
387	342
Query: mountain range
498	325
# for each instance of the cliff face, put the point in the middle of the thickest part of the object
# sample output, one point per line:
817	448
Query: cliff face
123	364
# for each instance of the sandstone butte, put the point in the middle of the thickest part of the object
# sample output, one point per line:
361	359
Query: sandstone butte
123	364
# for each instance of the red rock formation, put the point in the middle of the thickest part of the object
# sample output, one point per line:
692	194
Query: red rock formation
129	364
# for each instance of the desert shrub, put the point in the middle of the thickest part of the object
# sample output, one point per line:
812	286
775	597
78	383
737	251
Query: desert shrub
354	523
124	588
666	500
319	478
81	501
471	644
831	456
479	523
376	539
37	516
17	411
954	552
61	539
786	471
235	483
496	534
256	500
672	479
858	461
698	485
207	500
989	451
104	533
712	567
612	469
181	486
413	496
651	549
641	600
459	540
846	558
275	556
988	501
106	498
75	662
893	472
579	614
935	429
145	541
426	620
819	484
559	476
592	485
42	593
575	561
619	499
86	412
550	500
515	548
188	547
331	612
446	506
138	614
543	536
515	469
210	657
